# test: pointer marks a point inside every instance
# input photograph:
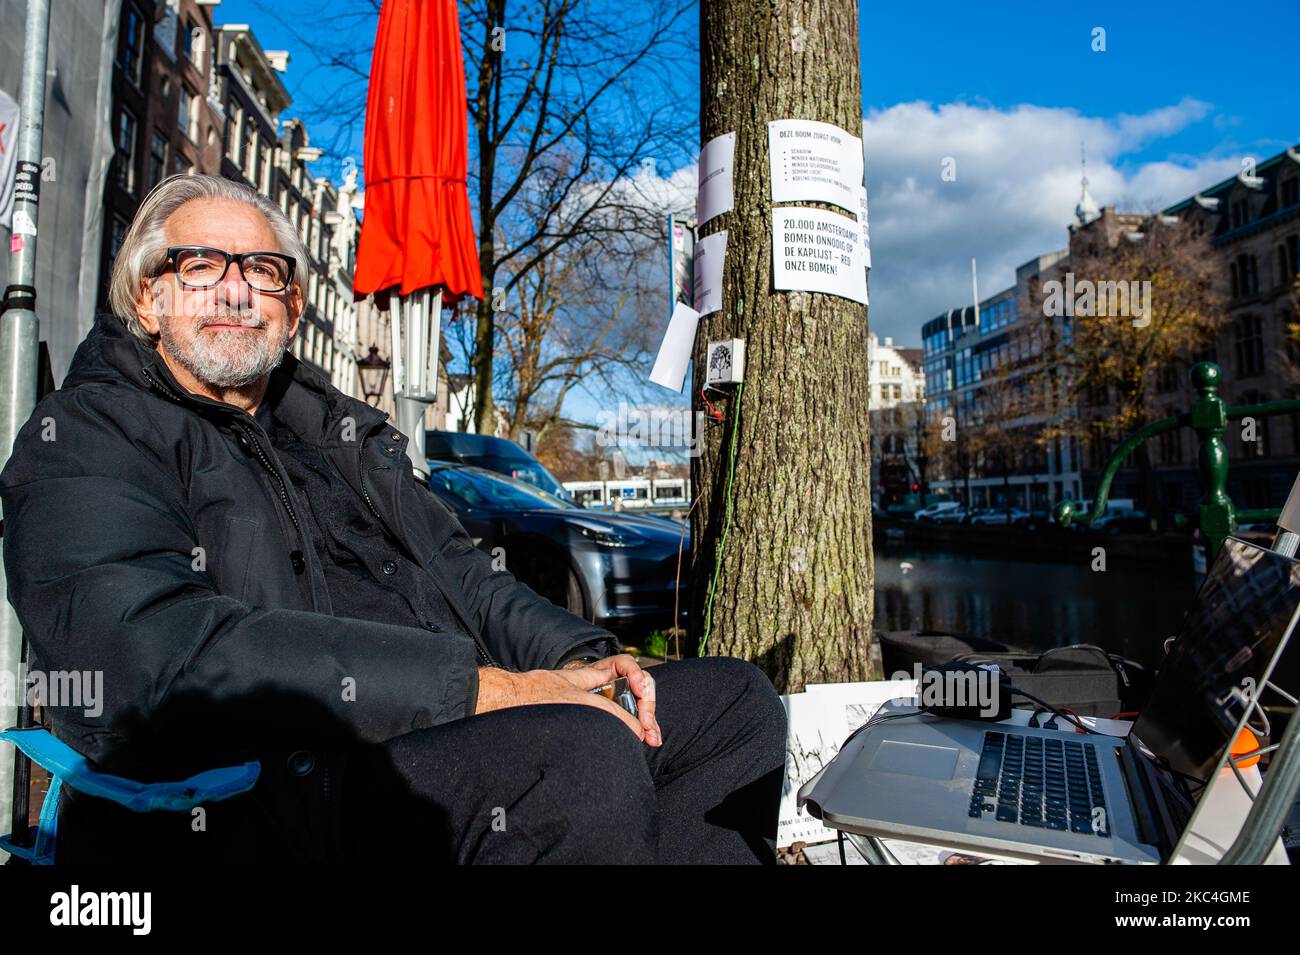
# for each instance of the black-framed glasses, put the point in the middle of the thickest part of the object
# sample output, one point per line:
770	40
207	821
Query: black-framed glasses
201	267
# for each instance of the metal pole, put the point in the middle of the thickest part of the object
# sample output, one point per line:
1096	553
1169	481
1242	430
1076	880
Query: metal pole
417	327
20	332
1278	794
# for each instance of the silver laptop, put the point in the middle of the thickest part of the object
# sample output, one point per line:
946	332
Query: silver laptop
1045	795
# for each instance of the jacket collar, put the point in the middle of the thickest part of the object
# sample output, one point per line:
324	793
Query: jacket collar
300	397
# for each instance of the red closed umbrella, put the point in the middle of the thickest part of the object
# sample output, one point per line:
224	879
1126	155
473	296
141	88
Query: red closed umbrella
416	231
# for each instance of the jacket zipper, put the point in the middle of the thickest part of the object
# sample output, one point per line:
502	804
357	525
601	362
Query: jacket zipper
261	455
284	497
270	469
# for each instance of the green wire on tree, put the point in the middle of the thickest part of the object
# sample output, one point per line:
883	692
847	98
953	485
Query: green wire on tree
726	521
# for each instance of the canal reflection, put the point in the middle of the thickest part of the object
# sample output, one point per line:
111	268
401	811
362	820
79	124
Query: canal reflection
1032	605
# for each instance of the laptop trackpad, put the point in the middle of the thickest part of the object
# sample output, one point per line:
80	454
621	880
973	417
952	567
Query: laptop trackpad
915	759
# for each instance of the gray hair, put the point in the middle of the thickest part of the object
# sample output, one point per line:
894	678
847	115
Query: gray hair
144	250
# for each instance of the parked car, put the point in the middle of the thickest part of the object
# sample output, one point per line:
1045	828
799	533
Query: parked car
619	570
1122	522
494	454
1034	519
998	516
905	509
947	512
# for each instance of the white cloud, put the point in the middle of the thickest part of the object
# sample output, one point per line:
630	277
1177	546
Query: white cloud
1017	183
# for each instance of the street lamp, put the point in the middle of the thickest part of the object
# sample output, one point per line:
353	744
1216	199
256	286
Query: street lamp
374	375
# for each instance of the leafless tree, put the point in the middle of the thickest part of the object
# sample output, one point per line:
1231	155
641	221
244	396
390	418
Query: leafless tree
566	99
575	319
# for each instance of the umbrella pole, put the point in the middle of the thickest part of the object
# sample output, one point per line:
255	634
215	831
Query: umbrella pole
417	329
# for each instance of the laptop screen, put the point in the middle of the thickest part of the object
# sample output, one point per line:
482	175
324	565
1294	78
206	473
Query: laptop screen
1244	610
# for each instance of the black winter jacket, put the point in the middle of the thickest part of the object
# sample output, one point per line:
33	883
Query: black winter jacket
151	534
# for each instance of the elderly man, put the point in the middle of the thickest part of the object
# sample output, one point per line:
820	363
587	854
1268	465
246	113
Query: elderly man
244	554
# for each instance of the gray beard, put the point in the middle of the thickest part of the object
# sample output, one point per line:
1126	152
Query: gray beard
225	358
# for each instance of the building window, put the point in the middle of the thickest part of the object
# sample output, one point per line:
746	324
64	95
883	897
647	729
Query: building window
265	184
249	163
157	159
1244	276
1290	191
188	116
117	236
125	150
1240	213
1250	346
235	133
131	56
193	42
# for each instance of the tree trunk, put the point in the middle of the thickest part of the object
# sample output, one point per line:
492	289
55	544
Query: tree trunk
484	354
485	118
788	582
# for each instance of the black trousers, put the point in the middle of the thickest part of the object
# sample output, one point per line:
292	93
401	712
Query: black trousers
565	783
552	783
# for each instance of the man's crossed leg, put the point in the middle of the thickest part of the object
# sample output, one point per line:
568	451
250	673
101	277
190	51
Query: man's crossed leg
570	784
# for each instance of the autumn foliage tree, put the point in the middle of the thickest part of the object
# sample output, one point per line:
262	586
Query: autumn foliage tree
1128	304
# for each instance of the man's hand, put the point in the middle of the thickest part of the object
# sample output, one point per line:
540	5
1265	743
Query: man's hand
638	680
500	689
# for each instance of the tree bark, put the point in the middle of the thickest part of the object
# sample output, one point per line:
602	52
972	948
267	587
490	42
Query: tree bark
487	100
788	583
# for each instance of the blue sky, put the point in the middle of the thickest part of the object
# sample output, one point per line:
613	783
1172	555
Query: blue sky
1012	91
1243	62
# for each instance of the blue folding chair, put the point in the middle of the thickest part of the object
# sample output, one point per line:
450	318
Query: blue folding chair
68	767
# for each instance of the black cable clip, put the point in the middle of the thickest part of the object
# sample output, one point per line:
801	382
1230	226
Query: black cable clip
19	296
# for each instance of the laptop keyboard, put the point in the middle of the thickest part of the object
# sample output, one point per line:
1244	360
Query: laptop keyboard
1042	782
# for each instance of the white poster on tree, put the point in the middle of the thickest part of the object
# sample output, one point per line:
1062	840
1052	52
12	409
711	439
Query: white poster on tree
710	252
817	251
814	162
866	227
715	190
675	349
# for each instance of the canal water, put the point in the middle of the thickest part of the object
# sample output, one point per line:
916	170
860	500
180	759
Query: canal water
1031	604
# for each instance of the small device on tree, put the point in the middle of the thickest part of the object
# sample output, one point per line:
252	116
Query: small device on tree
725	363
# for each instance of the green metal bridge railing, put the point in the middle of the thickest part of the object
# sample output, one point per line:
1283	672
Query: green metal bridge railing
1216	517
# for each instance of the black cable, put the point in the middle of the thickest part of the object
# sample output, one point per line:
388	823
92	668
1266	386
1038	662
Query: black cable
1048	706
877	719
